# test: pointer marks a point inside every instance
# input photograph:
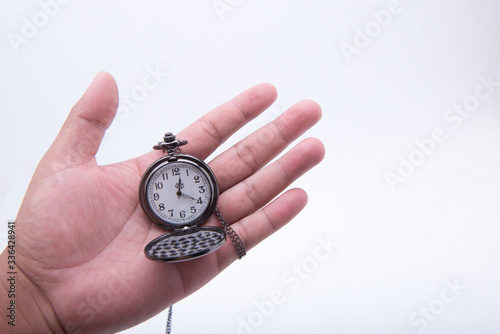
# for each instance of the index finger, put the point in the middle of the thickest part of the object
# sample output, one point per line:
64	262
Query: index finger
215	127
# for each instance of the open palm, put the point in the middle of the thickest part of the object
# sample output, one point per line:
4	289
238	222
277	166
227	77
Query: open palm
82	232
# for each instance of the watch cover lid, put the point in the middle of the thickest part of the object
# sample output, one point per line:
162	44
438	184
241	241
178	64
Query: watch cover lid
185	244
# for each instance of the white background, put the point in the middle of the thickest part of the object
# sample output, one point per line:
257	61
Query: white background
398	247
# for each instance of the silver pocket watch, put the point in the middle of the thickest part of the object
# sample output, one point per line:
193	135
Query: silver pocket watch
179	192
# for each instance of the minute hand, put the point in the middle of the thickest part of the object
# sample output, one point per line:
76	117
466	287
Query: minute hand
179	186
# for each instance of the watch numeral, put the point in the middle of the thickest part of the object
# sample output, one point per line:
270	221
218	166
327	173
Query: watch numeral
171	213
182	214
158	185
199	201
202	190
156	196
175	171
165	176
196	179
193	209
187	172
161	207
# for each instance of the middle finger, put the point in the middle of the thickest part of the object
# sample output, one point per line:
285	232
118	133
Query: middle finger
252	153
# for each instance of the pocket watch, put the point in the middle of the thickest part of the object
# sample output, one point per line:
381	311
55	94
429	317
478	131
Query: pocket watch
179	192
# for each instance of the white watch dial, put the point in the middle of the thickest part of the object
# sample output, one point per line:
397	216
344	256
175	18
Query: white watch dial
179	193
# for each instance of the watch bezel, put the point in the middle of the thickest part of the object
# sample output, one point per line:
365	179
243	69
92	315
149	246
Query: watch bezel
177	158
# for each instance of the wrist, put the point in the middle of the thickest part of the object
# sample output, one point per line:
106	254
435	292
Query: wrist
28	310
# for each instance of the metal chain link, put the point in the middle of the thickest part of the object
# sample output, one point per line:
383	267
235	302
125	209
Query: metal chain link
169	321
238	245
235	239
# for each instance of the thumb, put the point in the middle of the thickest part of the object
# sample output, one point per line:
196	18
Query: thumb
82	132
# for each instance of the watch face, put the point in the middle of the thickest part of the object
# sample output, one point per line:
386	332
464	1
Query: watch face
178	192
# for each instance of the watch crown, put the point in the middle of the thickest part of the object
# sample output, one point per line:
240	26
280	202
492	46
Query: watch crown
170	144
169	137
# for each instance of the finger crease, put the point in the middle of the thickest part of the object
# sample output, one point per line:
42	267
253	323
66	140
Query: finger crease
288	177
210	128
270	220
247	156
245	113
281	130
92	121
252	191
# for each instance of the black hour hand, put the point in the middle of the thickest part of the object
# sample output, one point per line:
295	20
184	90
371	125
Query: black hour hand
189	197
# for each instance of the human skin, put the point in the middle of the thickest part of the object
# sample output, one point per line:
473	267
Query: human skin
80	231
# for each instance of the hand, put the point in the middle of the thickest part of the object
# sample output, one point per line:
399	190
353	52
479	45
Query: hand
81	231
